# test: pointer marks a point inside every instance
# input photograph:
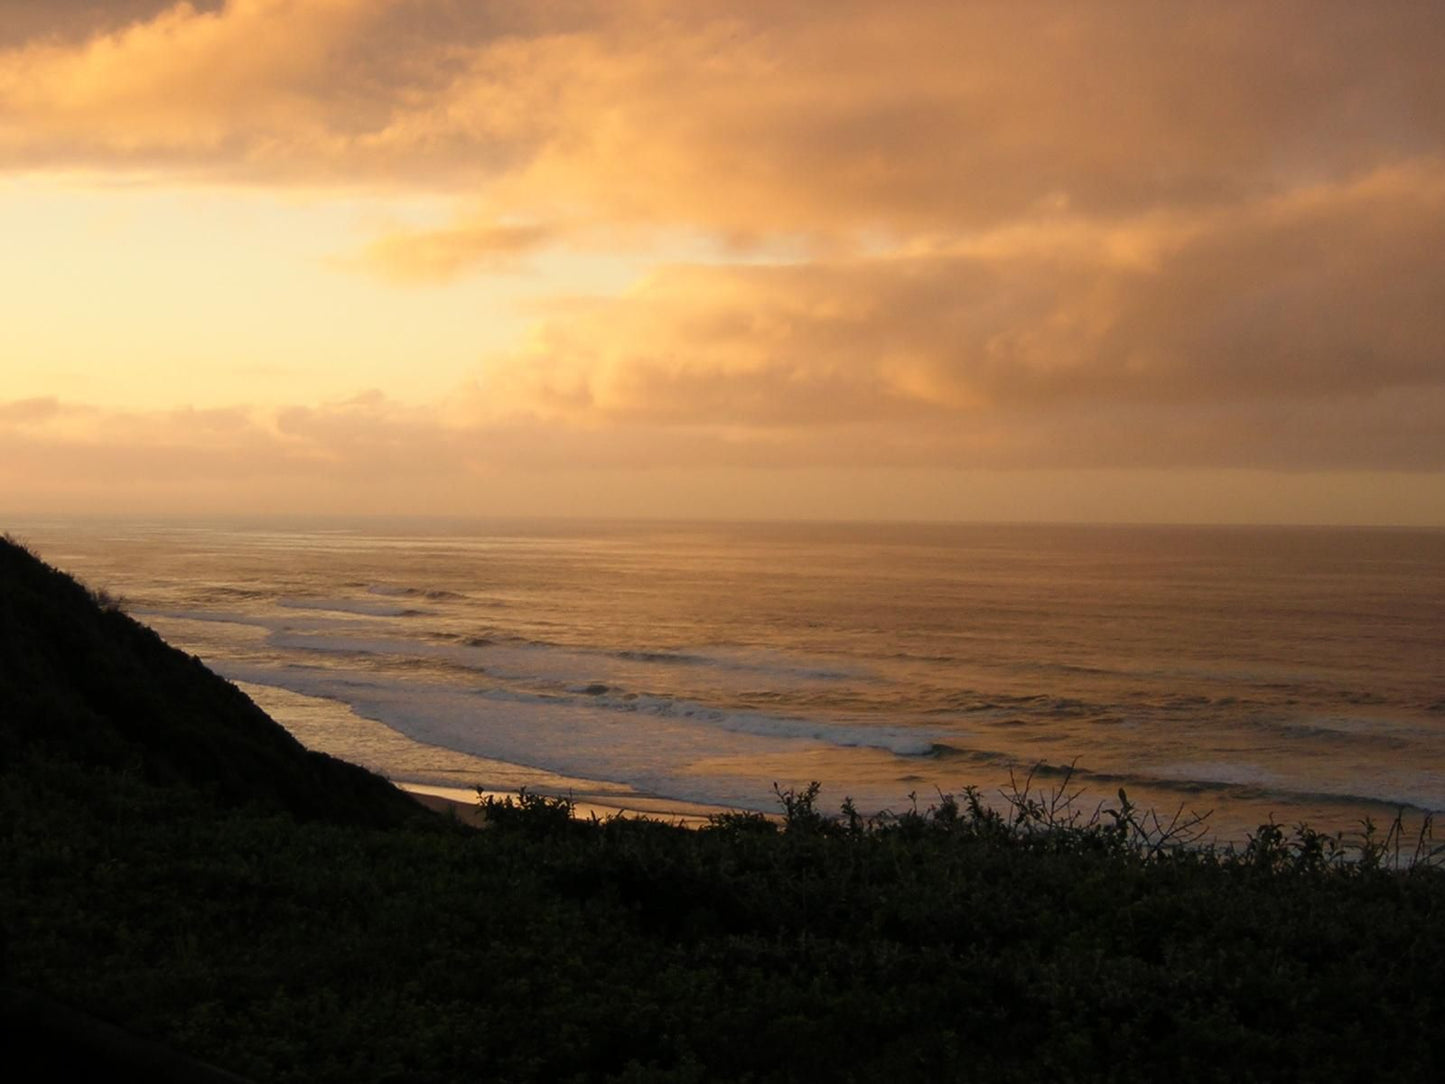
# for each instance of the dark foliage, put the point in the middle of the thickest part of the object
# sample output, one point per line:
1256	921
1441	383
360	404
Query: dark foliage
962	941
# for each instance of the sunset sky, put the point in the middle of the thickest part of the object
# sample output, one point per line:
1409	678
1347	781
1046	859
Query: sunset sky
1008	261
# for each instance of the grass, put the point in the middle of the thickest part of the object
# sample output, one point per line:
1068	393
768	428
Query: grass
945	942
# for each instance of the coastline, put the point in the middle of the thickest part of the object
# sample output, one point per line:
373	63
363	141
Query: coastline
450	678
464	805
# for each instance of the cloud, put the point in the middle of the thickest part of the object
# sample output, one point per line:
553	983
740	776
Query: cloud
752	116
426	256
845	121
1293	333
1116	234
1327	303
74	21
251	89
371	455
220	459
29	411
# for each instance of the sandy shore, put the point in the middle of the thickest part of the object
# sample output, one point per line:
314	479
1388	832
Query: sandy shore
463	805
466	813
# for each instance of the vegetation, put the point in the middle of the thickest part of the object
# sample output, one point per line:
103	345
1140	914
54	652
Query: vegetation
173	865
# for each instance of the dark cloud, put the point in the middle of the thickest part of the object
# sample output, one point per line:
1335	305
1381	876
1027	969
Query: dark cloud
74	21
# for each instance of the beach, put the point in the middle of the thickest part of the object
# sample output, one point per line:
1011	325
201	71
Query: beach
467	808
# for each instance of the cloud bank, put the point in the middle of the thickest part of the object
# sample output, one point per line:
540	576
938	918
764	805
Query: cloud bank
938	235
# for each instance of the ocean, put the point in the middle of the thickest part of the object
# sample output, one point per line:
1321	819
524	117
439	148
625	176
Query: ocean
1293	673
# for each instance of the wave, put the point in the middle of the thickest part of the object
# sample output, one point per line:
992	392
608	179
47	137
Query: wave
654	721
649	741
901	741
352	606
397	648
1368	731
219	617
530	659
1222	782
432	594
641	715
908	656
1227	780
225	592
770	663
669	658
974	703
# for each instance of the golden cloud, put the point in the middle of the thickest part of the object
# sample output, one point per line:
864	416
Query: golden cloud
424	256
192	89
748	116
1279	300
1113	233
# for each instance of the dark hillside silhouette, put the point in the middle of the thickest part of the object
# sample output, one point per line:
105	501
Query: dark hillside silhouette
82	680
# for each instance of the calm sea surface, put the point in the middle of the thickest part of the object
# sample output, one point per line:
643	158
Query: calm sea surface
1248	671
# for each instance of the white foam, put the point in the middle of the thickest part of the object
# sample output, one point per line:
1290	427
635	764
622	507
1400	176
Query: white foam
215	616
595	681
350	606
902	741
648	742
391	591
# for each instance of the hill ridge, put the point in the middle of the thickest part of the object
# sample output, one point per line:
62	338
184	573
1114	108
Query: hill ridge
82	679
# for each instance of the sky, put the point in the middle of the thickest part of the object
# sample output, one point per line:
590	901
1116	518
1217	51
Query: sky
1115	262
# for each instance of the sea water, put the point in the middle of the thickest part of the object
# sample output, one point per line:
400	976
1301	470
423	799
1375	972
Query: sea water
1297	673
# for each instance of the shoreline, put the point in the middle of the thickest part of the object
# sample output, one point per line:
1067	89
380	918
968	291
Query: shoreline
1223	827
464	804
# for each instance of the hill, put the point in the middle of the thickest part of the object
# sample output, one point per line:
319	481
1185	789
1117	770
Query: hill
82	681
